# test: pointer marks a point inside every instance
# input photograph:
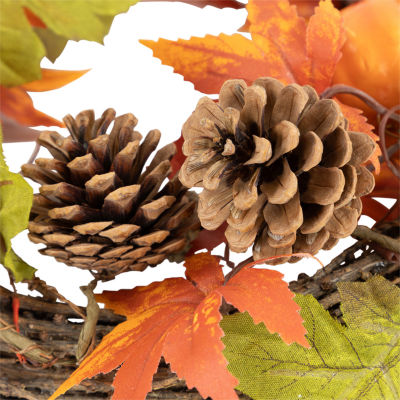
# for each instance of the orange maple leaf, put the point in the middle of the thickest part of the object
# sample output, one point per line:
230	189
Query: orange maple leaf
179	319
16	103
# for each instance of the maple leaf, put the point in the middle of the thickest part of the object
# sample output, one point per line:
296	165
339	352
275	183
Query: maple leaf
358	361
283	45
16	103
179	319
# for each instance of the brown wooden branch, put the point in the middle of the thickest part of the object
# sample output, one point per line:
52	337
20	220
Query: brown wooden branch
47	324
364	233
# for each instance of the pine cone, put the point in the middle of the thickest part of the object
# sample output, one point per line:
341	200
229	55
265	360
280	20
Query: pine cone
279	165
96	209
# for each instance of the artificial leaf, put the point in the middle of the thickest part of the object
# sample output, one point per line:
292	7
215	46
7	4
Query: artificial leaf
15	203
53	43
358	361
283	46
53	79
20	49
79	20
208	239
324	54
208	62
386	184
373	208
358	123
277	29
16	103
178	159
33	19
179	319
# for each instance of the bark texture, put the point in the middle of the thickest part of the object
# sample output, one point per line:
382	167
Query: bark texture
49	326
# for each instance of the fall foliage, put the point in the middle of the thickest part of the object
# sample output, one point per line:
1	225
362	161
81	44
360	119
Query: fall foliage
179	319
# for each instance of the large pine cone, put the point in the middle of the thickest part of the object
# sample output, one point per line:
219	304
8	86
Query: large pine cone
96	209
278	164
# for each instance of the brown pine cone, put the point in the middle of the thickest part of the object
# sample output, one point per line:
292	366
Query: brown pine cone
97	209
279	165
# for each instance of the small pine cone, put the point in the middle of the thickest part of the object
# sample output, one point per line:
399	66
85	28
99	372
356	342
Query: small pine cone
97	209
278	165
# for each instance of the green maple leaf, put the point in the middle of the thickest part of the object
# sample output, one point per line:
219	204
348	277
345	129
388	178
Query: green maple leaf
358	361
15	204
22	46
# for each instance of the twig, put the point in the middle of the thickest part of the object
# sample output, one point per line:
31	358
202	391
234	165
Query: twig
20	344
50	290
238	268
382	137
34	153
226	257
87	337
364	233
343	257
366	98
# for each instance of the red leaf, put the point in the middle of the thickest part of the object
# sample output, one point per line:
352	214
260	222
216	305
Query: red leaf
386	184
208	239
178	159
374	209
175	319
16	103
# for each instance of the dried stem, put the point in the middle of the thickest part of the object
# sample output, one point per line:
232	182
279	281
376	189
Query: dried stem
87	337
382	129
226	257
238	268
34	153
366	98
364	233
50	291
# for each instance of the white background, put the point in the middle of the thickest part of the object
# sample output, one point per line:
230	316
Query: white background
124	75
